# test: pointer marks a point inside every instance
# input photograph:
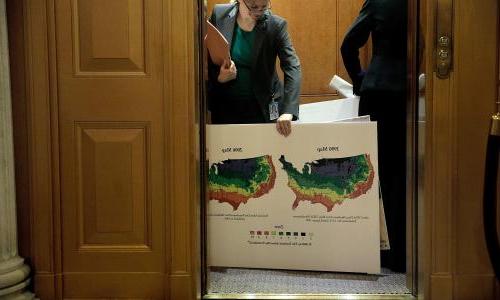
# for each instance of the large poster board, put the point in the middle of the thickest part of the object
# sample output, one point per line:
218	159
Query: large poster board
306	202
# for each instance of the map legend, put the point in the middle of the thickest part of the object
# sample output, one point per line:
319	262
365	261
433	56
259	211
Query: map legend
258	234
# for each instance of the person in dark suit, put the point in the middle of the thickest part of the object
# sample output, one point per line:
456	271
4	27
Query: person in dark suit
247	88
382	91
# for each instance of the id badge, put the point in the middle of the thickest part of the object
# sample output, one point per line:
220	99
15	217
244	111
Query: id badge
273	110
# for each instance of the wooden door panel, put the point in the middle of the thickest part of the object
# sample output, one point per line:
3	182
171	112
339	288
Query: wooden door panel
112	172
317	28
315	39
109	36
115	285
112	143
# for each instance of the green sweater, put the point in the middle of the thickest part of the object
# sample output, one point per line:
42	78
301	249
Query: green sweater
241	54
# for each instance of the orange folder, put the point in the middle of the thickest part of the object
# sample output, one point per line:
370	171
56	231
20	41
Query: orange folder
217	45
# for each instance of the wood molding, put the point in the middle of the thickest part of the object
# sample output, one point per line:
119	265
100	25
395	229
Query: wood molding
181	287
423	218
183	145
45	254
123	285
498	67
478	287
436	251
474	67
439	168
441	287
44	286
412	153
443	165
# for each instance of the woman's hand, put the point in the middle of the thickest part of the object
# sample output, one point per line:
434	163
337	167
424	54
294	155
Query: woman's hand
284	124
227	71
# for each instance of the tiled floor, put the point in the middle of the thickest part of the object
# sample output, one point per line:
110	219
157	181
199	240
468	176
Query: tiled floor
257	281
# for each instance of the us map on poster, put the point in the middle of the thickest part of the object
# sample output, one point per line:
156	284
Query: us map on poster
305	202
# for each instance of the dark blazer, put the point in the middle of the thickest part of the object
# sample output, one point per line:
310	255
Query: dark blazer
271	41
386	21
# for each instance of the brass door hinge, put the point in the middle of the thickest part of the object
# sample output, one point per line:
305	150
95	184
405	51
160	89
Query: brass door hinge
444	41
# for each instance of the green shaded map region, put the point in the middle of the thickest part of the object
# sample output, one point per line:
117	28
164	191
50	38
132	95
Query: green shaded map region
235	181
330	181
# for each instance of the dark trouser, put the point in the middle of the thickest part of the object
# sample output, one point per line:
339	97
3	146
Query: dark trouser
237	111
389	110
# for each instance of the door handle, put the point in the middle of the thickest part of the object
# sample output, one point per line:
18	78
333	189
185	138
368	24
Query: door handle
490	194
444	41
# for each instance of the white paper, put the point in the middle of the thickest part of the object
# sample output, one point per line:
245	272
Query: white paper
355	119
384	234
343	87
329	111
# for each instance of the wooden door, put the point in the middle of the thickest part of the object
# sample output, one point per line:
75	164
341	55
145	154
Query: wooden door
110	93
317	28
112	158
453	262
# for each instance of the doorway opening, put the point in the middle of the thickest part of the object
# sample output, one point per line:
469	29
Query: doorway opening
260	283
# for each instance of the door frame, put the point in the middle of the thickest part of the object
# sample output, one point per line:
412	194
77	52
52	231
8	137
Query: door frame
412	164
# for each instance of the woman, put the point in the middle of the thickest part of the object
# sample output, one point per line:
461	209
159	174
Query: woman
247	89
383	96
